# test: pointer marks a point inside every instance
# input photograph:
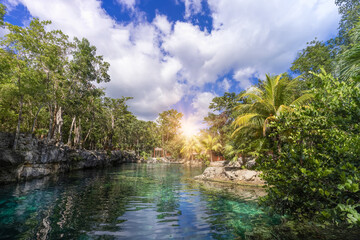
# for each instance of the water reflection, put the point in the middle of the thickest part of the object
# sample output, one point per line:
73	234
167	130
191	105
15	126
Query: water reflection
135	201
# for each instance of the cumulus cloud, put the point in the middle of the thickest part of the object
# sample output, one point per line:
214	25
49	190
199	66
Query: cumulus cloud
201	103
243	76
130	4
261	35
162	23
158	62
192	7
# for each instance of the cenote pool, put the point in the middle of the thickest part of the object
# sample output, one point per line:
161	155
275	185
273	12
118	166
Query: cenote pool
134	201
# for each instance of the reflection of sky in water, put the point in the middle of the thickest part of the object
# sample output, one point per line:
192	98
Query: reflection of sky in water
130	202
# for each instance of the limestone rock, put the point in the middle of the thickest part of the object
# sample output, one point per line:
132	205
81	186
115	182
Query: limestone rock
218	164
35	159
234	174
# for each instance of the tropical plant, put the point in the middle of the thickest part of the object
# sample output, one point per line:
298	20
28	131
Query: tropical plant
273	96
349	60
190	147
210	144
316	174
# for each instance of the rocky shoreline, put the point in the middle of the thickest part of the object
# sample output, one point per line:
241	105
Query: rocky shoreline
34	158
231	172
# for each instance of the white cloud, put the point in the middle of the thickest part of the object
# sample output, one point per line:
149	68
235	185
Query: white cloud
261	35
3	32
243	75
225	84
162	24
158	62
130	4
201	103
192	7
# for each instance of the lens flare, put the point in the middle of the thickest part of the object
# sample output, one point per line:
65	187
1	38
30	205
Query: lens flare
189	128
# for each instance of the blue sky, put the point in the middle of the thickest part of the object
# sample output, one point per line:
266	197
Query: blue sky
182	53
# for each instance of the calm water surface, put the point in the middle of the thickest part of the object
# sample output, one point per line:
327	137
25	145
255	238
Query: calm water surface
134	201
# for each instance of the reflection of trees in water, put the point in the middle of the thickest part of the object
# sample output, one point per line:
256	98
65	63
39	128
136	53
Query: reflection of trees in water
88	201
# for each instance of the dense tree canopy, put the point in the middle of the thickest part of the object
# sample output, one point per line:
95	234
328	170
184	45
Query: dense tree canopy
304	132
315	56
314	173
47	88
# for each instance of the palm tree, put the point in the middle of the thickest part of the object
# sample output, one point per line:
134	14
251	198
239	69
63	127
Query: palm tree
264	103
189	148
210	144
350	59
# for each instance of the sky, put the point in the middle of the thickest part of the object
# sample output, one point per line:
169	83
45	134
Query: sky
182	53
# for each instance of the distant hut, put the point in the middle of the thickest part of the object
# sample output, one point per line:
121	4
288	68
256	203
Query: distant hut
158	152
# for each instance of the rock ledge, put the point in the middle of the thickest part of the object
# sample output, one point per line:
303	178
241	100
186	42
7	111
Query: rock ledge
231	172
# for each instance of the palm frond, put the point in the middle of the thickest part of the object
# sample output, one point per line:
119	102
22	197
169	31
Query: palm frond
302	99
244	119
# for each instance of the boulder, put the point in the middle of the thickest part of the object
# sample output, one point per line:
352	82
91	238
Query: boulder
218	164
212	173
231	174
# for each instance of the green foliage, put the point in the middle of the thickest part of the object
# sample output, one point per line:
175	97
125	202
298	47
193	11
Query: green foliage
2	13
190	147
350	12
169	123
145	155
220	123
273	96
210	144
47	88
313	171
315	56
349	60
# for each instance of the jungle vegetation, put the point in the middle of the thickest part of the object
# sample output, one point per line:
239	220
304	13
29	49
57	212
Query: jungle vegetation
302	126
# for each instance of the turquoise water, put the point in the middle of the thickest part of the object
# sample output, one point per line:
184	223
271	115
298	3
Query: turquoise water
134	201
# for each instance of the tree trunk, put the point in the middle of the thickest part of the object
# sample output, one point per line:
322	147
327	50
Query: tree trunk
77	131
71	128
35	119
137	145
17	133
50	122
112	131
87	135
58	124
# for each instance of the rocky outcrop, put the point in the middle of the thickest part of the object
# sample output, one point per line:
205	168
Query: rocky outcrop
231	172
35	159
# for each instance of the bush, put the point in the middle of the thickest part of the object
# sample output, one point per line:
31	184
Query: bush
313	171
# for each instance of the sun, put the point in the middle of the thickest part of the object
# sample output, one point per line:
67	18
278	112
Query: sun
189	128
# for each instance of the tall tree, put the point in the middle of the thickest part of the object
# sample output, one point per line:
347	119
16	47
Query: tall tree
276	94
349	60
169	124
315	56
316	174
350	13
189	148
2	14
210	144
